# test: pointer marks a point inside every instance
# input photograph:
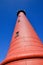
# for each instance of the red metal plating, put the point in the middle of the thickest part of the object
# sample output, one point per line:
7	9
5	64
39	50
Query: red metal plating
26	47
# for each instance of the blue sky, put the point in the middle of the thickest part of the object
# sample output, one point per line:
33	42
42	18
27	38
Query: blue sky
8	17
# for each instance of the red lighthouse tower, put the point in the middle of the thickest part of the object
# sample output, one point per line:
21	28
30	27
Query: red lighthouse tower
25	47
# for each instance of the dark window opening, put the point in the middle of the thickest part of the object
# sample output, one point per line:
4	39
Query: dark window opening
19	16
18	20
17	33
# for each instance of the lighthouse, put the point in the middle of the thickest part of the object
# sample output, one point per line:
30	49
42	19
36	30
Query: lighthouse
25	46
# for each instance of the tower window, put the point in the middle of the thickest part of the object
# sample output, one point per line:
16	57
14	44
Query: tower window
18	20
17	33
